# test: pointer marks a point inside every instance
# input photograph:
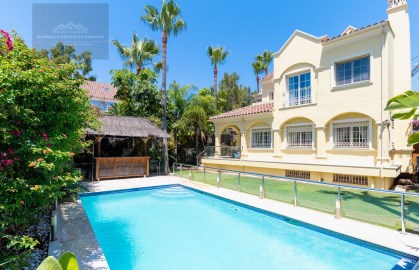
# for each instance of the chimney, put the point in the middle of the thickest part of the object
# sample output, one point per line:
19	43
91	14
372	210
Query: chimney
395	3
398	18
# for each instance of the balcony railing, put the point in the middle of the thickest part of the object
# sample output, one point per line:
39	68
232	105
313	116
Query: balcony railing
303	97
228	152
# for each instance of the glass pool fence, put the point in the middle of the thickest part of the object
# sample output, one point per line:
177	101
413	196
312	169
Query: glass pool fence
392	209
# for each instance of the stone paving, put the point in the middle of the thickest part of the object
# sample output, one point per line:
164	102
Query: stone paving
76	234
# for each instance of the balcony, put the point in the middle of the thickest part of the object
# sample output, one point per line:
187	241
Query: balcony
298	98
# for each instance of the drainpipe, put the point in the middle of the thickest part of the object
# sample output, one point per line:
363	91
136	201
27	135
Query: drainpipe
381	106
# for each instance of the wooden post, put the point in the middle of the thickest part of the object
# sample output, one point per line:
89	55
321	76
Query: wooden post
138	146
145	140
98	140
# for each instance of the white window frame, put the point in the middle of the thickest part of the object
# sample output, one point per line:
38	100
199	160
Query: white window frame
260	128
331	140
294	73
333	73
296	125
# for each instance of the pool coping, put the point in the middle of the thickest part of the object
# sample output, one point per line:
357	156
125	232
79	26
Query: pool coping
376	247
373	234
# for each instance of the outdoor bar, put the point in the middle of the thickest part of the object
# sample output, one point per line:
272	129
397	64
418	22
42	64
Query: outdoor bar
133	159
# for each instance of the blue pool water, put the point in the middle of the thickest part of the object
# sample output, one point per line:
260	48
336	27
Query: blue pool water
179	228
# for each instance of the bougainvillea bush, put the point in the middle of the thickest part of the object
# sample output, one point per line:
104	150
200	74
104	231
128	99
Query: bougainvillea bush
43	114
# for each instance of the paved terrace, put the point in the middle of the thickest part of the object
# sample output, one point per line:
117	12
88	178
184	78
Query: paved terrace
76	235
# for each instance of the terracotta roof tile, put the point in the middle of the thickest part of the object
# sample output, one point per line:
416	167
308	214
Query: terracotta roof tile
269	76
100	90
252	109
327	39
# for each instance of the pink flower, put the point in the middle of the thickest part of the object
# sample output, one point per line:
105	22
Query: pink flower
43	135
1	167
49	145
9	42
17	158
17	133
3	155
7	162
11	151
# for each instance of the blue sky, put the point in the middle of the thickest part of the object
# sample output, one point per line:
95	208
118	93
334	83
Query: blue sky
245	28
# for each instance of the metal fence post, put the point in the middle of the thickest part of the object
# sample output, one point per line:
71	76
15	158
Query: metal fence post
338	213
402	214
218	179
262	188
295	192
173	168
190	173
180	168
238	182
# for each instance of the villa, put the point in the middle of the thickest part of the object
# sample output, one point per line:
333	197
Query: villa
322	112
102	95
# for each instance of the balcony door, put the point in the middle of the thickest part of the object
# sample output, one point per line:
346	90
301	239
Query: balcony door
299	90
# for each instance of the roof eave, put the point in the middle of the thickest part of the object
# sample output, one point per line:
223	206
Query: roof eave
240	117
354	34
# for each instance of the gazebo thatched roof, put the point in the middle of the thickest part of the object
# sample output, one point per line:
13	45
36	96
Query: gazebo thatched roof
127	126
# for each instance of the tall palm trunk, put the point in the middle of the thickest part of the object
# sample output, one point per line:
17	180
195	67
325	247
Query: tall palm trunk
257	82
197	141
139	68
164	104
266	71
215	84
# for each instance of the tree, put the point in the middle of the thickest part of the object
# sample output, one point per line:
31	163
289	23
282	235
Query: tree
65	54
258	68
194	120
138	94
406	106
232	95
217	56
179	97
140	54
43	116
266	58
169	22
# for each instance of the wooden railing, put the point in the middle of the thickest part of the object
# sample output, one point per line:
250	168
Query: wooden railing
116	167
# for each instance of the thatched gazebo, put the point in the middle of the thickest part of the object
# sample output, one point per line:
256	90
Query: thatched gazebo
129	138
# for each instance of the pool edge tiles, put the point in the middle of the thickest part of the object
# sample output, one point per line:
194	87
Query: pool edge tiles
373	246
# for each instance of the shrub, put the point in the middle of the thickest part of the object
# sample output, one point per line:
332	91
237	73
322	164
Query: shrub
43	114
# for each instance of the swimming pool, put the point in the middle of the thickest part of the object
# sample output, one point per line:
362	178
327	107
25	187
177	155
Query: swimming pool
175	227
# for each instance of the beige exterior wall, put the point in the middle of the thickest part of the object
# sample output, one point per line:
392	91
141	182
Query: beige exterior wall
388	46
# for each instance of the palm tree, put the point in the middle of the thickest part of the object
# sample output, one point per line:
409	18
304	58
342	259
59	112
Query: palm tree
140	54
179	97
168	21
217	56
195	117
258	68
405	107
266	57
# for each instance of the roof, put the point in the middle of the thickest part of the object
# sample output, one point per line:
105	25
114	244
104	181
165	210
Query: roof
269	76
127	126
99	90
248	110
351	30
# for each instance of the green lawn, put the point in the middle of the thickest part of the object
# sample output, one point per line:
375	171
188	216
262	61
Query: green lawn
372	207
